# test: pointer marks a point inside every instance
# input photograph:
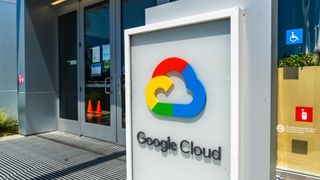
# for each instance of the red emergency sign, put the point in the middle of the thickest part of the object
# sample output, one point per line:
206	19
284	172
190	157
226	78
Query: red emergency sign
304	114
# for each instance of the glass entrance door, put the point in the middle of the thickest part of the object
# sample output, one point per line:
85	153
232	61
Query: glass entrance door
92	75
68	70
99	99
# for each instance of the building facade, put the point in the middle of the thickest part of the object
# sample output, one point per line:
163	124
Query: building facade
62	68
8	56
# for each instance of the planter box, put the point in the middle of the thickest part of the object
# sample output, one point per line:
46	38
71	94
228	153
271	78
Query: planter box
299	141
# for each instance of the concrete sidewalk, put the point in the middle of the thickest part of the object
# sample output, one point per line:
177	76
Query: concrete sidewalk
59	155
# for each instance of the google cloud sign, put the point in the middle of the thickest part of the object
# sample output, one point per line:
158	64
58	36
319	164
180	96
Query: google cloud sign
160	80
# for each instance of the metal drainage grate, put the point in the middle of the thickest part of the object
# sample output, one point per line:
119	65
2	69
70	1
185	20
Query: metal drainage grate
60	155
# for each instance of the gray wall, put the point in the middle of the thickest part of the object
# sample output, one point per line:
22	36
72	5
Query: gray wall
257	139
38	62
8	56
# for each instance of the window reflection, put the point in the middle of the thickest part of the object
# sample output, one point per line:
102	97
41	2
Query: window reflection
132	15
298	146
97	63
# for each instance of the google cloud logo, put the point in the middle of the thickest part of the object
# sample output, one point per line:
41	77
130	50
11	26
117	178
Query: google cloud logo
160	80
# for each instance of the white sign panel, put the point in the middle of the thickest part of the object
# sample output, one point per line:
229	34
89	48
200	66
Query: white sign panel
182	98
96	54
96	69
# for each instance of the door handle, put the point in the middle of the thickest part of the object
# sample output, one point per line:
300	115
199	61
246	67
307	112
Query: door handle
119	85
105	85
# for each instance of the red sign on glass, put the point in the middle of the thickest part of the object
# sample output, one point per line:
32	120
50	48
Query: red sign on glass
304	114
20	79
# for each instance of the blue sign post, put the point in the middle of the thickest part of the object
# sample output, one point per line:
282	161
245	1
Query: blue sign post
294	36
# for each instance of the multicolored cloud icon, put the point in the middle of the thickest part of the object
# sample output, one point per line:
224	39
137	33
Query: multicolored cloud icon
160	80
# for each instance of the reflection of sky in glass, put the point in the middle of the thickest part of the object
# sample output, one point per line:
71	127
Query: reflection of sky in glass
133	12
294	14
97	25
133	15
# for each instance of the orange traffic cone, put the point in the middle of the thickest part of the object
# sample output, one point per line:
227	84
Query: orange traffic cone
99	109
89	110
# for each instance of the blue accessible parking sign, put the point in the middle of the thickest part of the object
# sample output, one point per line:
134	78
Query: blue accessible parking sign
294	36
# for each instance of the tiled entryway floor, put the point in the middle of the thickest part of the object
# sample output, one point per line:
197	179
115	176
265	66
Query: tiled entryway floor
59	155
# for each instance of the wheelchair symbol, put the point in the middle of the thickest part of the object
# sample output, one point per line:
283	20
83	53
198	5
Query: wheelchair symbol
293	38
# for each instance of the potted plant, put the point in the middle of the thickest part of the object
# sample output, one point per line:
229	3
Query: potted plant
299	60
8	123
289	65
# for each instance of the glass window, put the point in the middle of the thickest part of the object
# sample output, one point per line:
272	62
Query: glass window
132	15
298	145
68	73
97	63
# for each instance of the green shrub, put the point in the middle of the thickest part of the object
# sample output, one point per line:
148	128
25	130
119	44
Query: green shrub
8	123
299	61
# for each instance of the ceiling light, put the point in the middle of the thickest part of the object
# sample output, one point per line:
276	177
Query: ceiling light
57	2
